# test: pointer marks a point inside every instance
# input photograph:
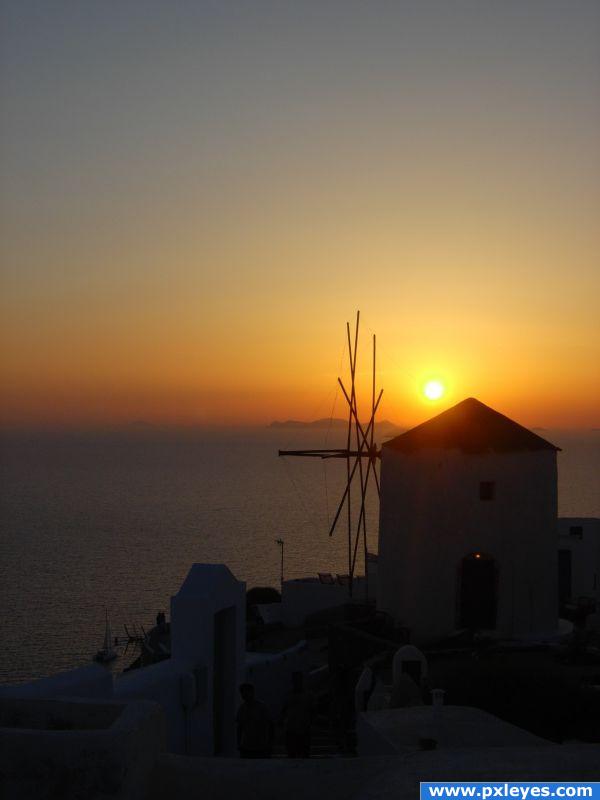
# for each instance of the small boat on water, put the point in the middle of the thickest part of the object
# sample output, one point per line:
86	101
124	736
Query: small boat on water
108	652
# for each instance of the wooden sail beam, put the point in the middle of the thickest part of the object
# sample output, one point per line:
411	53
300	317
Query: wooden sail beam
364	478
362	513
343	500
374	406
353	411
352	358
365	449
342	453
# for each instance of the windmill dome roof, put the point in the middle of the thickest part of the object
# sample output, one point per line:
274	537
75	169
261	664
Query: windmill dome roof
472	427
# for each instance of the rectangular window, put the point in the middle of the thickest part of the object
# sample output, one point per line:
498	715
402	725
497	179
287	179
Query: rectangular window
577	531
486	490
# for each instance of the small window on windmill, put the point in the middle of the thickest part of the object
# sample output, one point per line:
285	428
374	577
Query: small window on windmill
487	490
576	531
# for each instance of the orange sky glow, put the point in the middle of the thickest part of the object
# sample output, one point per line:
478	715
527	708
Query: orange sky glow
187	229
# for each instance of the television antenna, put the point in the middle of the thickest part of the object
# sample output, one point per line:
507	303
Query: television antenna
361	454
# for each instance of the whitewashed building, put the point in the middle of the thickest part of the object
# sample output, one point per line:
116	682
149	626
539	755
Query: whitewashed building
198	685
468	527
579	560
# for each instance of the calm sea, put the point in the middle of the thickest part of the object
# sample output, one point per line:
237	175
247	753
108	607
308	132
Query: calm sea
89	521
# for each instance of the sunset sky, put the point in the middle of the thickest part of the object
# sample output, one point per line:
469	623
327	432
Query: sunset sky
196	197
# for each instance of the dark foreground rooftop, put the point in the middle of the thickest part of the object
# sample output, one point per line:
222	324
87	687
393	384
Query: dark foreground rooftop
371	778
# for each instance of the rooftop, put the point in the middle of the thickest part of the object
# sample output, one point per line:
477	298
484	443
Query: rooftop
472	427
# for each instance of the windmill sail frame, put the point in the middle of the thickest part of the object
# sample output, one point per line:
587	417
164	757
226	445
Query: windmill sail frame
360	447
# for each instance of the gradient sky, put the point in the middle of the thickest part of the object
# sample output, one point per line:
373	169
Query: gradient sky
196	196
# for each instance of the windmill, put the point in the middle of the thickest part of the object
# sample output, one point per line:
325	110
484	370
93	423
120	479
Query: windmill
361	456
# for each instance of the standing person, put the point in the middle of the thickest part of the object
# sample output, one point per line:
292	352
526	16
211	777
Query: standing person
254	726
297	715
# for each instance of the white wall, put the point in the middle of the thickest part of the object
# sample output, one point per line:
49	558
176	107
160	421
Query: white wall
93	681
585	555
161	684
305	596
370	741
431	517
184	685
100	749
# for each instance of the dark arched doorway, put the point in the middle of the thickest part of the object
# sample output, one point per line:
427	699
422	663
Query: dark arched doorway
477	601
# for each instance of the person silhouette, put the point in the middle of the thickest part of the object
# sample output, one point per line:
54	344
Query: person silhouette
254	726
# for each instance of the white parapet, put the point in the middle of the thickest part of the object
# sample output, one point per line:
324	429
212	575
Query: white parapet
197	686
92	681
78	748
405	730
302	597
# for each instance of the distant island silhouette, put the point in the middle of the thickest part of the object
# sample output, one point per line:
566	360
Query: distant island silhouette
335	422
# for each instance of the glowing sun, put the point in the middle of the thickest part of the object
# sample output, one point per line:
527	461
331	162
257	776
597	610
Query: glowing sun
433	390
